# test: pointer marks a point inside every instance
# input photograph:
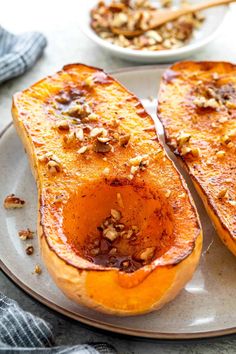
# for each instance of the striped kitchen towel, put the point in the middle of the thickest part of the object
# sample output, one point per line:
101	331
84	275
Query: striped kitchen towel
21	332
19	52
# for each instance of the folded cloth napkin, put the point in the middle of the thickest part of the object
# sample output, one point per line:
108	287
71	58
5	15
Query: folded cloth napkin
22	332
19	52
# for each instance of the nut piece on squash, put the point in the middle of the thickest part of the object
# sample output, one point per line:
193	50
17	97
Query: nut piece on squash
213	132
79	204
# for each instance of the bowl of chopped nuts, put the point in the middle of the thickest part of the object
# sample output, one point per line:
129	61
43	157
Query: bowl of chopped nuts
123	27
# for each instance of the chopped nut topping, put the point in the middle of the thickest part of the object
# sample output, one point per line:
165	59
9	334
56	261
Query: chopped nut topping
79	134
83	149
98	131
134	169
195	152
45	157
135	161
230	145
53	167
63	125
76	110
147	254
127	234
37	269
110	233
79	111
100	147
222	193
120	200
103	139
29	250
114	123
124	139
89	81
115	214
167	193
25	234
215	76
220	154
106	171
108	248
113	251
112	228
69	137
116	136
214	96
135	229
202	102
183	138
92	117
125	264
138	163
13	202
120	227
185	150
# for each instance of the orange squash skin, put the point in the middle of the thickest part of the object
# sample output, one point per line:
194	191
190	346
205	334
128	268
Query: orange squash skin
214	170
76	199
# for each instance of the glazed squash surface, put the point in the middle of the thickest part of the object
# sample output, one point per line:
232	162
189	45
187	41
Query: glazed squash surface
117	227
197	107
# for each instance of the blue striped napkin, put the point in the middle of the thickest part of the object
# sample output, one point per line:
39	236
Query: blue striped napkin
19	52
22	332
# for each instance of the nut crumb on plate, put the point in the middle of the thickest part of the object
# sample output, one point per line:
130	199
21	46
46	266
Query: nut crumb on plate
13	202
37	269
25	234
29	250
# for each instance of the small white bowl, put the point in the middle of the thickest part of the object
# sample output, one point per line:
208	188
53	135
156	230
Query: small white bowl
214	19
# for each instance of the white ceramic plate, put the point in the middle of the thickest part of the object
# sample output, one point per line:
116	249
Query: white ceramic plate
206	307
209	30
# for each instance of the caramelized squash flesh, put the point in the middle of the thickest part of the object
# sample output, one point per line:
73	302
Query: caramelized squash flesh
197	107
117	227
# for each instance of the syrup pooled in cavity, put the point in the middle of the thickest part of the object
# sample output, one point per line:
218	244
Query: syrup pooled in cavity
109	249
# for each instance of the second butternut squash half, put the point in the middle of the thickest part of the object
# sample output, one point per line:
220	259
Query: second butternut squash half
197	107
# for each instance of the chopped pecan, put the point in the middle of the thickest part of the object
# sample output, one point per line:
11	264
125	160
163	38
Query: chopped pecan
13	202
25	234
29	250
100	147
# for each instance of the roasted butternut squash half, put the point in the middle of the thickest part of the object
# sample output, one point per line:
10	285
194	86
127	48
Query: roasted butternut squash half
117	227
197	107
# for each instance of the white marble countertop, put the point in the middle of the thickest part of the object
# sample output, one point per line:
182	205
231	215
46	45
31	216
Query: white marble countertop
66	44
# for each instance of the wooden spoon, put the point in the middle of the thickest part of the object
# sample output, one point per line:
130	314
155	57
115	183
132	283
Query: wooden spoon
160	18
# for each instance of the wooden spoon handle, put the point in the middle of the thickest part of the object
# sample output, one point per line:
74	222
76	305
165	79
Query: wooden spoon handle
205	5
170	16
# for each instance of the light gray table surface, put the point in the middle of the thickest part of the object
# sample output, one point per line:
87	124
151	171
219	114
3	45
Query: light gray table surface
66	44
